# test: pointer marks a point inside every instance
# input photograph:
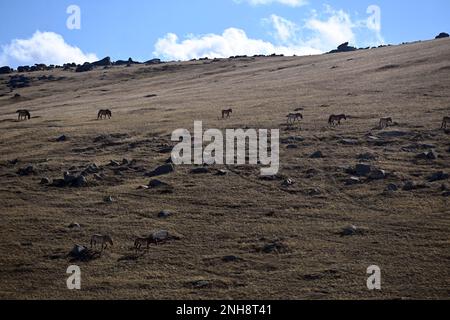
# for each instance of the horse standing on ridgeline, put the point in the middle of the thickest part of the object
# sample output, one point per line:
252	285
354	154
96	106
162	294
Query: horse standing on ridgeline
336	119
104	114
23	115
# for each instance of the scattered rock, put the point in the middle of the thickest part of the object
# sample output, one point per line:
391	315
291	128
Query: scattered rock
105	62
114	163
411	185
392	187
377	174
159	236
74	225
108	199
164	214
81	253
438	176
314	192
29	170
156	183
85	67
221	172
80	182
351	231
201	284
352	181
45	181
367	157
201	170
161	170
363	170
292	146
62	138
5	70
317	155
349	142
429	155
275	247
287	183
231	259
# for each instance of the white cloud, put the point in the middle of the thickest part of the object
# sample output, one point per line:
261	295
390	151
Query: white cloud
333	31
290	3
42	47
285	30
232	42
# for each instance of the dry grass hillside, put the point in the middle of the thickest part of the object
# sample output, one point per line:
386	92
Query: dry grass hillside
239	236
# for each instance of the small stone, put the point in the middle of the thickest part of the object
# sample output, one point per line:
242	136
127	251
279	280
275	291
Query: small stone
45	181
377	174
80	182
108	199
350	231
74	225
231	259
113	163
292	146
317	155
161	170
62	138
287	183
202	170
392	187
164	214
362	170
221	172
29	170
438	176
352	181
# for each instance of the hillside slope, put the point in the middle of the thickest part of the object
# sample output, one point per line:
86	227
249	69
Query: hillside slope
285	240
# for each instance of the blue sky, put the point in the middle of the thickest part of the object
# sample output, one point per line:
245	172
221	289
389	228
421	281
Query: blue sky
184	29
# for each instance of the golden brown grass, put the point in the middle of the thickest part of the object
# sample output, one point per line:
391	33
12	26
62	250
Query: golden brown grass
237	214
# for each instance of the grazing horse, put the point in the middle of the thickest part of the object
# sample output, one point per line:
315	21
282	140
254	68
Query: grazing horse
102	240
226	113
445	122
385	122
336	119
23	115
139	242
104	114
292	117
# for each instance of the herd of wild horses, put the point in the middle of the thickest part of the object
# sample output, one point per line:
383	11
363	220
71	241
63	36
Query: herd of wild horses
105	240
333	120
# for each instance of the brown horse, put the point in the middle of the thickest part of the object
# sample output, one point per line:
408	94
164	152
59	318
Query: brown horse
445	122
385	122
226	113
336	119
292	117
104	114
139	242
102	240
23	115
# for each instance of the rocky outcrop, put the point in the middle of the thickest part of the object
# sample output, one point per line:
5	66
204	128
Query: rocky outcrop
102	63
85	67
442	35
5	70
344	48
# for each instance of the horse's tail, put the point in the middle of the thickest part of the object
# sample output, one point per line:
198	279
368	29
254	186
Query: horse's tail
330	119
